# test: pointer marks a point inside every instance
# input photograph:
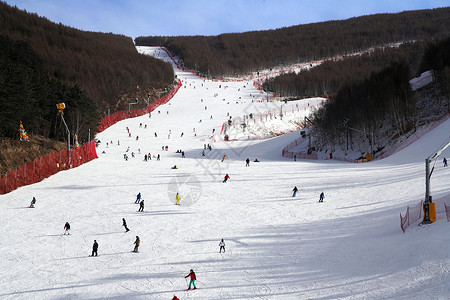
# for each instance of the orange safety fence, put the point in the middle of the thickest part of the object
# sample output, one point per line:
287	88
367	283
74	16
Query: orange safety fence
50	164
122	115
46	166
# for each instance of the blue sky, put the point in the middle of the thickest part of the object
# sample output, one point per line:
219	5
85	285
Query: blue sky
206	17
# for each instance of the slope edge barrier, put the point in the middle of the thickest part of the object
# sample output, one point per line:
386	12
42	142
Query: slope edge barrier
50	164
46	166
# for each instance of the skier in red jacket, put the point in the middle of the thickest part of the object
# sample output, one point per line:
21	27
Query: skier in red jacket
225	179
193	278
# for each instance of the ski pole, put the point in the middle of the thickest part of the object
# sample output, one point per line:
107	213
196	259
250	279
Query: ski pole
187	285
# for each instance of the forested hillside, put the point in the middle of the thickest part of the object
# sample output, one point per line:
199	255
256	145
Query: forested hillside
43	63
242	53
105	66
384	104
328	77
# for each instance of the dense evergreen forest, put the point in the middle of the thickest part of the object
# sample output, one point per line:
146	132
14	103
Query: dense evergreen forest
243	53
28	94
330	76
384	102
104	69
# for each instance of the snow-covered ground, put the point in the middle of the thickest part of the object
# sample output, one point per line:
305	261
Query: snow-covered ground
277	246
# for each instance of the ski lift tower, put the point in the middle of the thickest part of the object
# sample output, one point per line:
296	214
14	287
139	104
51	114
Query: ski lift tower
426	218
60	107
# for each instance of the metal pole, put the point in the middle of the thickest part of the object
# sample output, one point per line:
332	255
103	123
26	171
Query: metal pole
427	180
371	145
89	137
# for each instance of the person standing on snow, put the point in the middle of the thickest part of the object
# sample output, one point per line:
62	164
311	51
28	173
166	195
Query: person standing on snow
175	298
445	162
137	242
178	199
193	278
67	228
138	198
33	202
322	195
295	190
94	248
124	224
247	162
222	246
225	179
141	206
182	154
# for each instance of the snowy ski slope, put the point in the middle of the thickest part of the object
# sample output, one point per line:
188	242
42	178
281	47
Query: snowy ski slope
277	246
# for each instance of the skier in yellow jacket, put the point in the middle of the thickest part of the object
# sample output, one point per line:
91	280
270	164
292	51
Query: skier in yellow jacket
178	199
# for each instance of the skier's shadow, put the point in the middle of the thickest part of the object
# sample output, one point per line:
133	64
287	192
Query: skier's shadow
101	254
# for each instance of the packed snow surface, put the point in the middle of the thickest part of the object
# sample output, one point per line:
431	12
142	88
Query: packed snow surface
277	246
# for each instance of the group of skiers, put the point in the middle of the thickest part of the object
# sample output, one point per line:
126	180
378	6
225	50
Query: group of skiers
295	190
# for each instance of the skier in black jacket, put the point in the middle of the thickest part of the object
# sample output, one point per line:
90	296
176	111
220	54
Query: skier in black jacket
94	248
124	224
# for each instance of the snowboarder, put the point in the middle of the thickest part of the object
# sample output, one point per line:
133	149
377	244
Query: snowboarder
138	198
124	224
222	246
445	162
247	162
193	278
174	167
141	206
67	228
137	242
94	248
295	190
225	179
33	202
322	195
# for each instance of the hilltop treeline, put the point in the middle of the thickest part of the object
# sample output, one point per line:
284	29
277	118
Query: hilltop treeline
331	75
29	95
382	103
242	53
105	66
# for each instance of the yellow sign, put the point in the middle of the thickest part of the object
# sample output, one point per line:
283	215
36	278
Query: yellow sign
60	106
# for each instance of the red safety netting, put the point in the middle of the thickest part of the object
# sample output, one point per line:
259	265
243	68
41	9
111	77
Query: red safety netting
56	161
43	167
412	215
122	115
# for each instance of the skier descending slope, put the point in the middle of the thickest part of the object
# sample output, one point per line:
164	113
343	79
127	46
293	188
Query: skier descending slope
193	278
94	248
137	242
222	246
295	190
322	195
67	228
124	224
33	202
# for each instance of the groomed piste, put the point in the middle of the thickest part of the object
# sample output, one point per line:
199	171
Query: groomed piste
277	246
